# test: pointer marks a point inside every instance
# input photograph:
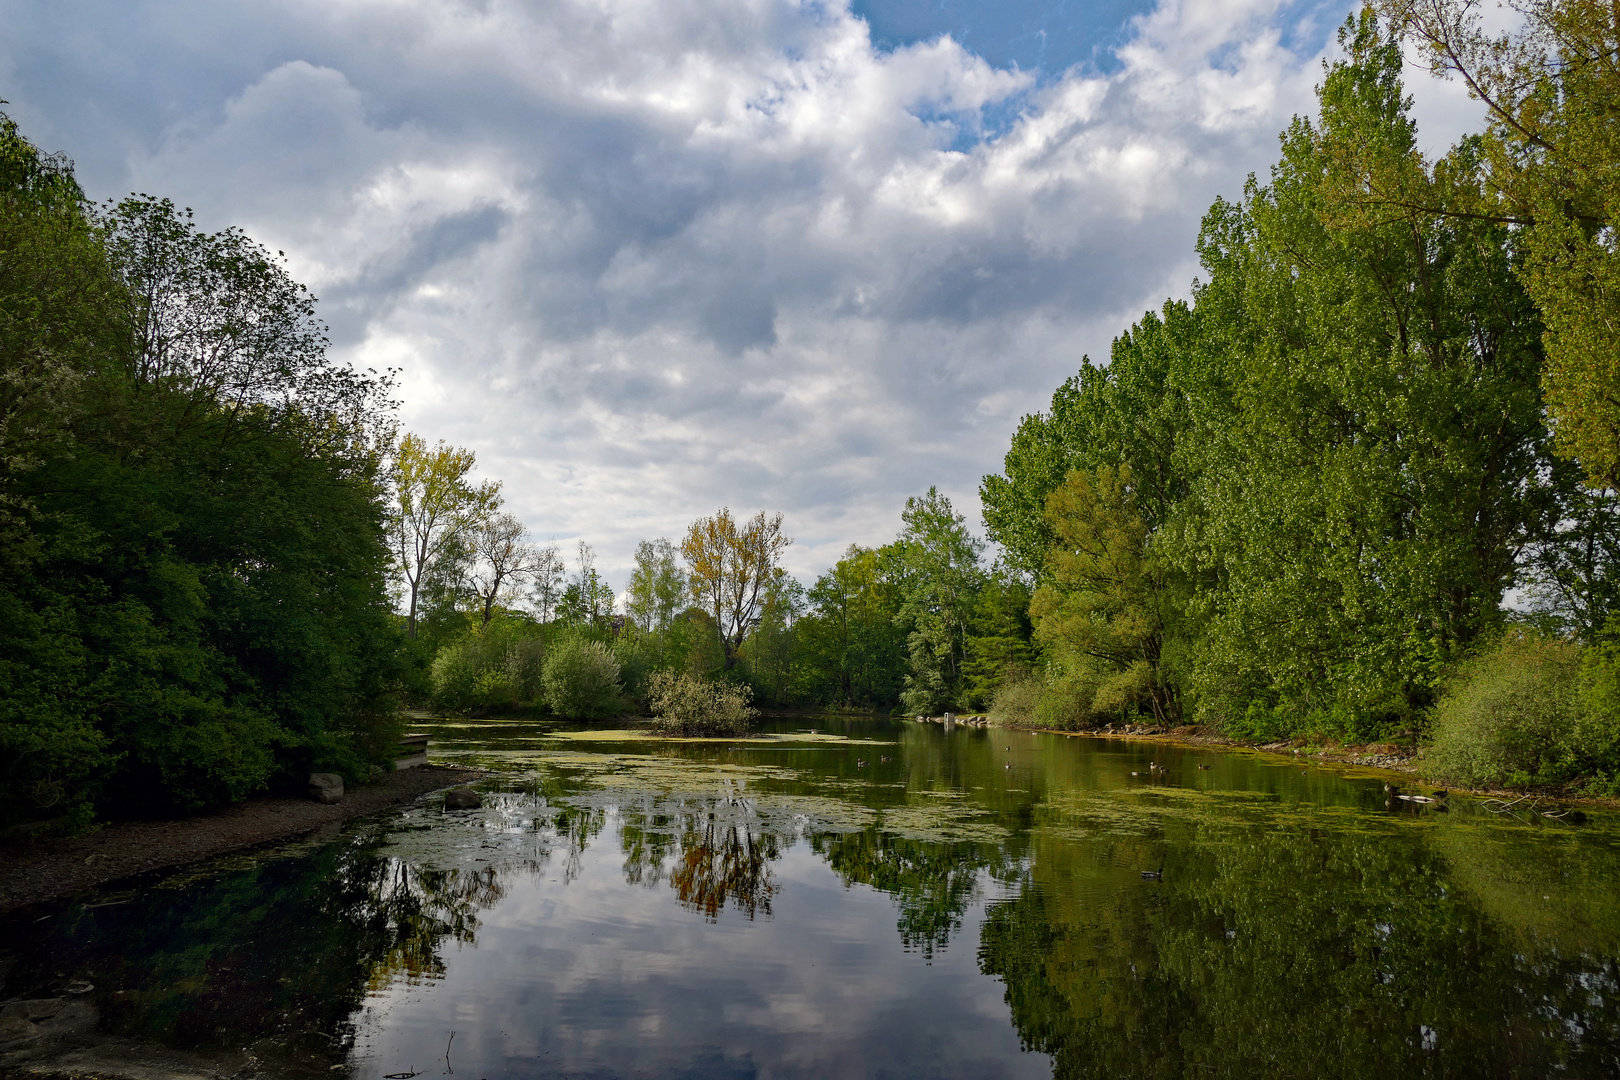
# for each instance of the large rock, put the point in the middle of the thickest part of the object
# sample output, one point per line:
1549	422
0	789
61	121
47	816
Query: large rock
325	787
462	798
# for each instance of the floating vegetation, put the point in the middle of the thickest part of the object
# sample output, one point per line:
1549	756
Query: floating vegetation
804	738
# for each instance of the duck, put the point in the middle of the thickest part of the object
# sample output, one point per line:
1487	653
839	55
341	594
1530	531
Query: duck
1154	875
1203	766
885	758
860	763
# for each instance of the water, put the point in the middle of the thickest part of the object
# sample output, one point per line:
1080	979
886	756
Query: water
872	898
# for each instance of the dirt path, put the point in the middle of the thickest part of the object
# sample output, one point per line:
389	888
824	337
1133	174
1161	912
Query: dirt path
50	867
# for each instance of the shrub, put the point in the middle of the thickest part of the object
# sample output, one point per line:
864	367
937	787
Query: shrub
1015	699
1511	717
497	667
581	680
683	704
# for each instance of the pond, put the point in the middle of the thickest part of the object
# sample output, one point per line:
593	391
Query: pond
873	898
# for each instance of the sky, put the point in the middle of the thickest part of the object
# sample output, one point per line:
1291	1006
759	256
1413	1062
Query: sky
651	258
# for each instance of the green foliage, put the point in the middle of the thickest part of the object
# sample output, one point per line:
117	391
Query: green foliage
1534	711
937	570
1016	698
998	641
1552	89
684	704
495	668
852	639
581	679
192	567
1107	598
1305	494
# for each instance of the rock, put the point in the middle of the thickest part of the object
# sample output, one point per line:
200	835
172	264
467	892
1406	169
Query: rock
14	1029
462	798
34	1008
326	787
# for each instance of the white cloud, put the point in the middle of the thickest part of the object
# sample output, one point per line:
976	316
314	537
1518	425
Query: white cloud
648	258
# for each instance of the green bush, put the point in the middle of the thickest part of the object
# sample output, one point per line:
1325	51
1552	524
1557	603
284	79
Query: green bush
498	667
581	680
1014	701
683	704
1511	717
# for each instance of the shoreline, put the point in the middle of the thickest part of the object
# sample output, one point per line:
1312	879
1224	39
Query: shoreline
46	868
1346	757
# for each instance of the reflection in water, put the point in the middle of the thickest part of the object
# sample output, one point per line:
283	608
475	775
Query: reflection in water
711	851
725	862
1297	929
933	883
277	956
1288	952
423	907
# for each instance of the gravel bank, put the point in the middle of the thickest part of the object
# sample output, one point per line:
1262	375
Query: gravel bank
50	867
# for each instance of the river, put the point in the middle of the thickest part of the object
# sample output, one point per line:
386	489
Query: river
872	898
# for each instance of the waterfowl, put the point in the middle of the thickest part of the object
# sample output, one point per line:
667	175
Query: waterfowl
1154	875
1203	766
860	763
885	759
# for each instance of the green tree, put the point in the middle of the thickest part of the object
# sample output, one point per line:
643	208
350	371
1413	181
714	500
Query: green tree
192	584
939	576
657	589
1108	597
1370	452
436	510
1552	89
852	640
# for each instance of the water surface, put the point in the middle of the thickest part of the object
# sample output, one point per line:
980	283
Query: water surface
874	898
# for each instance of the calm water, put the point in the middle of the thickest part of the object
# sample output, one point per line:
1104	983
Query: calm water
874	899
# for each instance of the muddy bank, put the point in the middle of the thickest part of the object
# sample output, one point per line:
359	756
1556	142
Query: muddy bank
50	867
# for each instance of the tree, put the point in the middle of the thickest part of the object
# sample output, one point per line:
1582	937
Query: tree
1369	453
729	571
853	639
1553	92
192	552
546	581
588	598
502	558
939	576
435	509
1107	597
657	589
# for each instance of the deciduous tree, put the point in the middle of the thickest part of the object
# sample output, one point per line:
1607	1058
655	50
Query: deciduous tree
730	569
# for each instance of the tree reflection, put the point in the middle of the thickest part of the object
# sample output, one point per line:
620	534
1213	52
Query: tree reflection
712	851
932	882
415	909
1273	952
718	863
277	956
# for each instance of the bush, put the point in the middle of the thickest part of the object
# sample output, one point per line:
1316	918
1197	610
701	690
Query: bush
1014	701
683	704
581	680
1512	717
496	668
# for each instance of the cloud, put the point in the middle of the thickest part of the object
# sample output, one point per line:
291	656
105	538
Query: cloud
648	258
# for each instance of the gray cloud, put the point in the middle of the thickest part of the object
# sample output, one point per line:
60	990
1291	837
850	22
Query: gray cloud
648	258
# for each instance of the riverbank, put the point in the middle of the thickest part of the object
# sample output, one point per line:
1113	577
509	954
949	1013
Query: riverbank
46	868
